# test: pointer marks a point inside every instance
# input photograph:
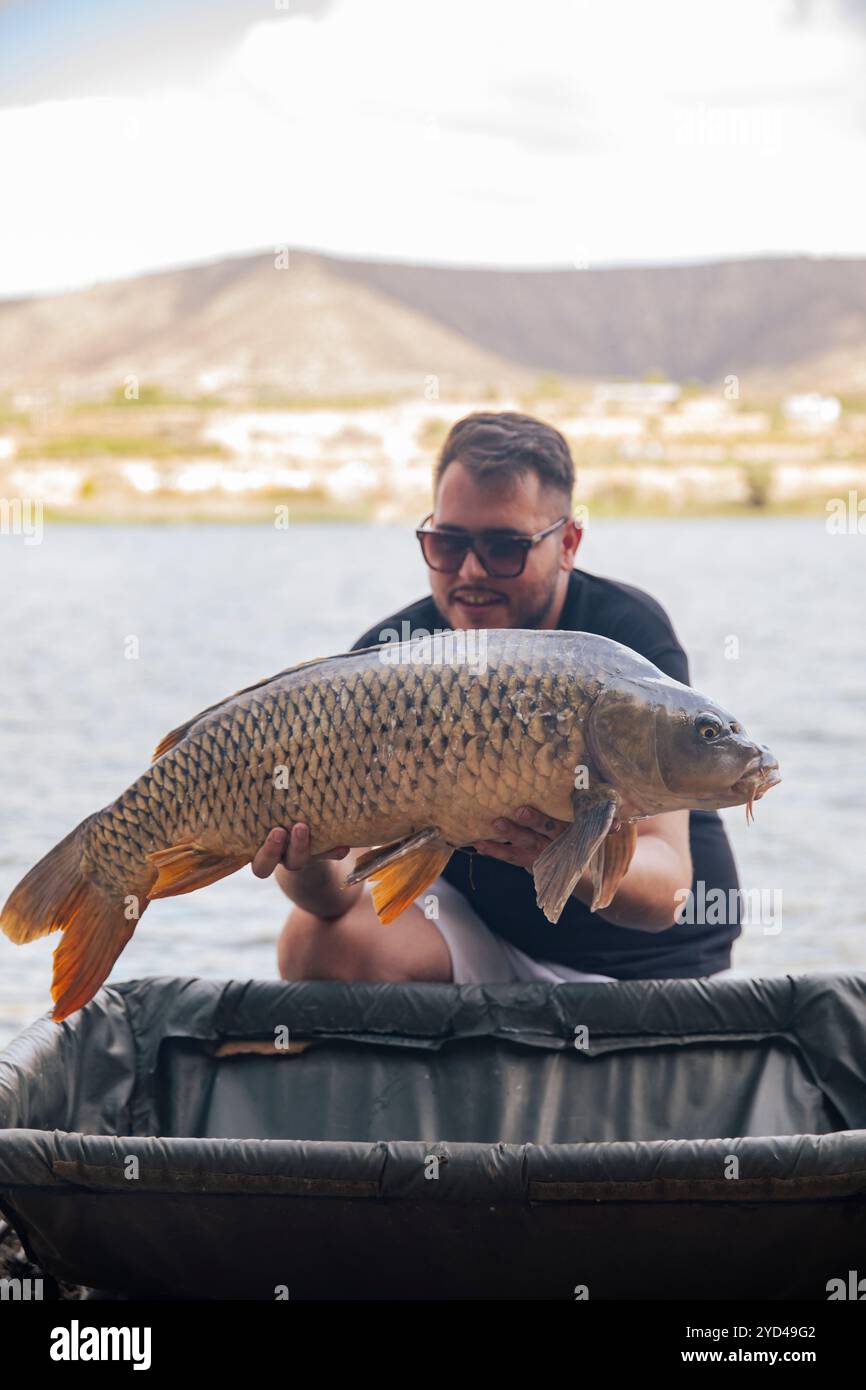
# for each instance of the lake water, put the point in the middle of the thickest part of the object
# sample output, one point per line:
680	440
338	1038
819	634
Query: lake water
213	608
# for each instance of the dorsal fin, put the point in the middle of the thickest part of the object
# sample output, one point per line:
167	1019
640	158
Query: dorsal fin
172	739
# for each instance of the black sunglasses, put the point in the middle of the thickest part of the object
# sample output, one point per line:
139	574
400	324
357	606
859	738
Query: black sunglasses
501	553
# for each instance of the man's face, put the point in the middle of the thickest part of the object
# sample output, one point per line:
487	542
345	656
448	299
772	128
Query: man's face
471	598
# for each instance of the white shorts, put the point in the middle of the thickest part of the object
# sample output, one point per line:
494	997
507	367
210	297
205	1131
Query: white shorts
478	957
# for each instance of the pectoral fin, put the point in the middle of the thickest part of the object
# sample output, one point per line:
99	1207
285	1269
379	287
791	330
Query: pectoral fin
610	864
402	870
184	868
559	868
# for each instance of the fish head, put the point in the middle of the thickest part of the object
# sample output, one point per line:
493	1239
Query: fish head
666	747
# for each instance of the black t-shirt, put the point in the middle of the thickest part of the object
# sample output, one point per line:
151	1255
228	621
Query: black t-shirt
503	894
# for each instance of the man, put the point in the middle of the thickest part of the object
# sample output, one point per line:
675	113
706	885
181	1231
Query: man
501	476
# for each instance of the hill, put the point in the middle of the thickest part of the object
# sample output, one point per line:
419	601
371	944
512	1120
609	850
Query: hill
331	326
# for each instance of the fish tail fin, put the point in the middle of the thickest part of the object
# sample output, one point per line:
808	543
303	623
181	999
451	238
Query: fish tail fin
39	903
58	895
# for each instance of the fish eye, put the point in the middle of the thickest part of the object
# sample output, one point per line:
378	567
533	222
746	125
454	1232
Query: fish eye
708	728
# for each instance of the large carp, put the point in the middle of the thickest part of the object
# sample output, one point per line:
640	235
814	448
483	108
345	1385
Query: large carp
415	747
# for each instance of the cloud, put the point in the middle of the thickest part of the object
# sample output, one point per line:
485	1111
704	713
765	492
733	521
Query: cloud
483	133
847	12
62	49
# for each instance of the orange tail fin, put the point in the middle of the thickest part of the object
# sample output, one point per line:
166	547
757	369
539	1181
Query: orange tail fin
56	895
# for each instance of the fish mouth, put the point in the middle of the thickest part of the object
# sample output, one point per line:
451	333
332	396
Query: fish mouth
761	774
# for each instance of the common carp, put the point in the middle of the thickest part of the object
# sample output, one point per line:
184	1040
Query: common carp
413	747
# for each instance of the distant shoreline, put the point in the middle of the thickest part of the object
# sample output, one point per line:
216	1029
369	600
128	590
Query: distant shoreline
256	515
644	449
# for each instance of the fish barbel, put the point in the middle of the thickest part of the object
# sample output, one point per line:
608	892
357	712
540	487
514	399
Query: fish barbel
414	748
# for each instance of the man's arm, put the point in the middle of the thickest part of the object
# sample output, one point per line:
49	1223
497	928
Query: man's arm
646	898
310	880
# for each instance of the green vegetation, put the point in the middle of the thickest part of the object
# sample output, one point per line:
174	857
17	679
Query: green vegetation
280	401
432	434
148	395
624	507
549	387
221	511
759	480
693	387
91	446
154	396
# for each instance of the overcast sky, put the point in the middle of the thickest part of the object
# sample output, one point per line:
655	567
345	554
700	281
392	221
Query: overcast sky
137	135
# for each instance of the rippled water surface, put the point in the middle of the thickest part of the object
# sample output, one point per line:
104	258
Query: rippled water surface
215	608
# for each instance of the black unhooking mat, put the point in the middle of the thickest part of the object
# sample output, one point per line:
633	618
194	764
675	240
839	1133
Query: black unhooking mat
184	1138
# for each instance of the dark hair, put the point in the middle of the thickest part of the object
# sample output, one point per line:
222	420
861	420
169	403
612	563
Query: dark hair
503	445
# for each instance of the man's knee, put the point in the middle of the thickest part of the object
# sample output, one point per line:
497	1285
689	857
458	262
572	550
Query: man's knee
357	946
306	948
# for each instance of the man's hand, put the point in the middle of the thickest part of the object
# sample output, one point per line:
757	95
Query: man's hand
290	849
309	880
523	838
647	897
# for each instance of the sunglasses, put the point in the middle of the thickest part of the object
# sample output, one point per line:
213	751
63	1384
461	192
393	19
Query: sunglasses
501	553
